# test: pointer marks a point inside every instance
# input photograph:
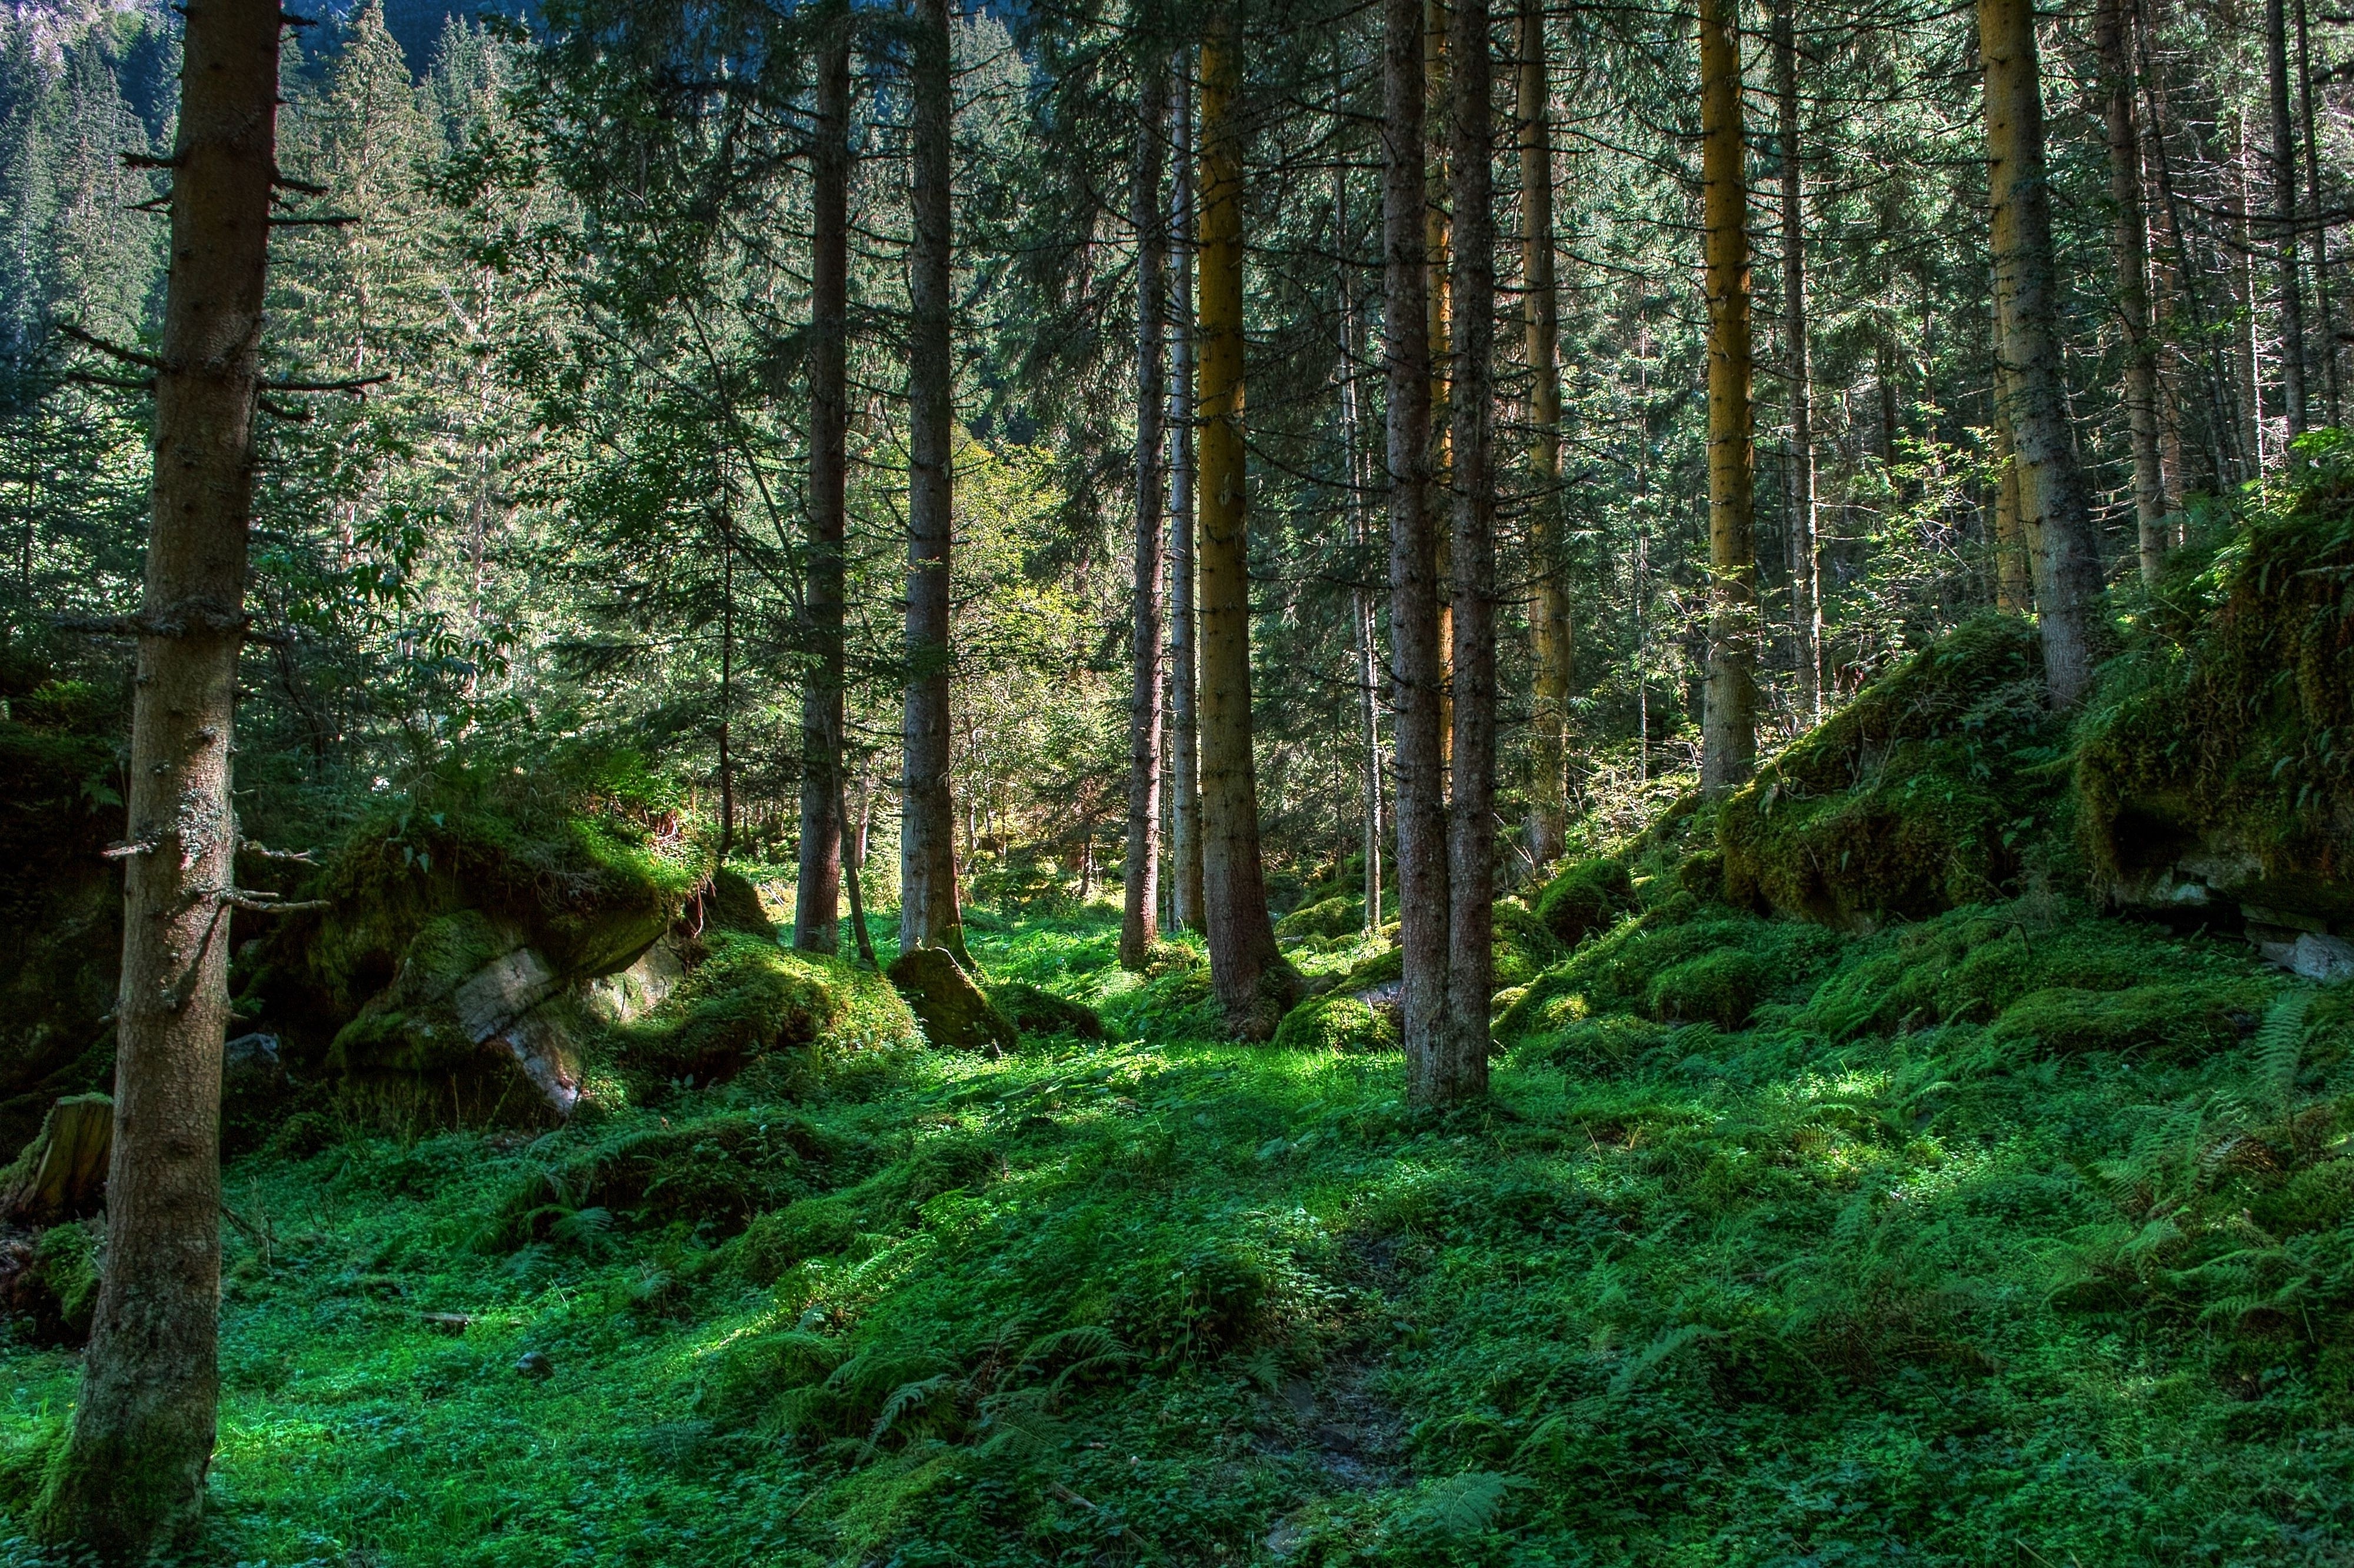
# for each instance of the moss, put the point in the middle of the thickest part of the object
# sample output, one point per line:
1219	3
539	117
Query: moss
1721	988
1035	1010
1597	1047
1338	915
2231	728
1919	796
1585	898
1620	969
715	1173
747	998
732	903
1337	1022
956	1013
2169	1021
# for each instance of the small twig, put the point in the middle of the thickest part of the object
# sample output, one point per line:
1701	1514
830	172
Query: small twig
266	904
1068	1495
300	857
288	20
283	411
285	181
148	161
123	851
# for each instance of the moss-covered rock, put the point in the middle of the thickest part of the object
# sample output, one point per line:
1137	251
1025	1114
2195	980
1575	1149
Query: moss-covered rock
1035	1010
1586	897
1338	915
1337	1022
1918	796
1682	963
1721	988
747	998
956	1013
1522	945
2167	1020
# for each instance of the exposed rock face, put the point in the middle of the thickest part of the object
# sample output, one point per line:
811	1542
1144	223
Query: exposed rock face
630	994
956	1015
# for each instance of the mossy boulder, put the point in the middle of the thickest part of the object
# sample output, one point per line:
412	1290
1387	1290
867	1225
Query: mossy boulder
1338	915
1586	897
732	903
1336	1021
2215	765
747	998
1684	962
1721	988
1035	1010
2167	1021
1522	945
956	1013
1919	796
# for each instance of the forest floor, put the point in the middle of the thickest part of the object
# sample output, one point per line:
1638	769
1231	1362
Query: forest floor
1788	1294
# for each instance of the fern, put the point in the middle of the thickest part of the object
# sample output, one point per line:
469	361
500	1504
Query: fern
1666	1343
2278	1041
1465	1505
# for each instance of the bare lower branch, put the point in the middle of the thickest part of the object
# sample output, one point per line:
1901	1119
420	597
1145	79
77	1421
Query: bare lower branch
298	857
120	383
355	386
112	350
267	904
123	851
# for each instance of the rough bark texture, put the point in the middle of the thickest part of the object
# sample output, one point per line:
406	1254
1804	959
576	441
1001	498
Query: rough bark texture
1460	1072
1729	713
1141	888
133	1467
1806	555
927	896
1253	985
2112	38
2285	244
1416	672
2051	494
1549	648
817	901
1184	722
2014	574
1361	600
2329	319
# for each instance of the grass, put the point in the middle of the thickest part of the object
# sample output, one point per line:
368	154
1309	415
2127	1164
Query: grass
1830	1286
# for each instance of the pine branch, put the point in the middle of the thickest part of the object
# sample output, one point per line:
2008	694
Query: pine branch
149	160
112	350
121	383
333	220
355	386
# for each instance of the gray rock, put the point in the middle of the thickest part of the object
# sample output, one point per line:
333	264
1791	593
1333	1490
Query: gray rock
535	1366
2329	959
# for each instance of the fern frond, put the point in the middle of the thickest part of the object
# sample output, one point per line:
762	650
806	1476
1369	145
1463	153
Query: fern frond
2279	1040
1666	1343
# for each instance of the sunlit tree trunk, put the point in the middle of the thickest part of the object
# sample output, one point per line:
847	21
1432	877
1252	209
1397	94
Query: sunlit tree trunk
816	900
133	1470
1185	725
1438	302
2113	37
2329	321
1459	1071
1550	648
2014	577
1416	672
2051	494
1253	983
2286	245
1361	601
1140	891
928	893
1728	715
1805	554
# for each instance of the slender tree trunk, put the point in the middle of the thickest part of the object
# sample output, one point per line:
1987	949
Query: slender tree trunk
1805	554
1438	302
727	683
928	890
2113	24
1255	986
2283	160
1417	672
1459	1073
2329	321
2052	492
853	856
1185	725
1729	714
2014	575
817	923
1361	605
1549	648
1140	891
133	1469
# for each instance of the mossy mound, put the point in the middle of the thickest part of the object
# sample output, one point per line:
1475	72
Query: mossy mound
2219	755
1680	962
1338	915
747	998
956	1013
1336	1021
2174	1021
1035	1010
881	1204
1919	796
1586	897
1524	944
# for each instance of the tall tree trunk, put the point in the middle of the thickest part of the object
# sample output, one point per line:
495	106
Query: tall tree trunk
133	1469
2014	574
928	892
726	682
853	856
1254	985
1806	554
817	922
2113	24
1361	601
1417	673
1460	1072
2329	321
1550	648
2286	244
1140	891
1729	713
2051	494
1185	724
1438	302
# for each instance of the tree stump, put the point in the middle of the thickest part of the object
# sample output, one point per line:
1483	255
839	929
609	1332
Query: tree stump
62	1172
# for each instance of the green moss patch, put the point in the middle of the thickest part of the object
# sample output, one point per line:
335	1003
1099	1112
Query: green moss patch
1585	898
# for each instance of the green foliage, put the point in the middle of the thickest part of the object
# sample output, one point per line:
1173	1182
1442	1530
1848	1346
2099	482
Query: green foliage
1924	793
1337	1021
1037	1011
1585	898
749	997
1338	915
1717	964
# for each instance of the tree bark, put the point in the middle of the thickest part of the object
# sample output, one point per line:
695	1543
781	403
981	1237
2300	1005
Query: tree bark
1729	713
2014	575
2286	244
2051	494
1254	985
1459	1073
133	1469
1417	673
2329	319
928	892
1805	554
1140	890
1549	648
1185	721
2113	23
817	922
1361	602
